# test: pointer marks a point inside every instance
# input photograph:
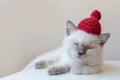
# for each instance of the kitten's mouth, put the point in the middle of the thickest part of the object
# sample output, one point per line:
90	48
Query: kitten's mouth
80	56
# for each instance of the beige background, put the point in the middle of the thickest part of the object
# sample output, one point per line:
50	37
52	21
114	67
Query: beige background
31	27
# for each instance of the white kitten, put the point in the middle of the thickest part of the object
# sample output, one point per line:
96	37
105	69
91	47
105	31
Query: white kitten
80	53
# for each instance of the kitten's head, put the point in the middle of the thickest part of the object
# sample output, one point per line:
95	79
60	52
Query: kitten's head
80	44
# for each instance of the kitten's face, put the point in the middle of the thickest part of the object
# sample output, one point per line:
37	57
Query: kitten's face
80	44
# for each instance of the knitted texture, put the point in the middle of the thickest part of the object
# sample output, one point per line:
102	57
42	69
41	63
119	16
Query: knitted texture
91	25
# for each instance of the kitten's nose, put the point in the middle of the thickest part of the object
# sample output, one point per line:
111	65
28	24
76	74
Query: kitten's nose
81	53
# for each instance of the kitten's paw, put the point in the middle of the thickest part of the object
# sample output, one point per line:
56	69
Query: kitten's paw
77	70
55	70
40	64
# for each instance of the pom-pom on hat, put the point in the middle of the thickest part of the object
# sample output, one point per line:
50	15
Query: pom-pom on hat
91	25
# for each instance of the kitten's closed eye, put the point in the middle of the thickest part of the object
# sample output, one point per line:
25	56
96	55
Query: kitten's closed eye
76	44
87	47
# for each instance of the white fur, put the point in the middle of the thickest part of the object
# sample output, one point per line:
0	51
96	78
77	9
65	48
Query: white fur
92	58
66	58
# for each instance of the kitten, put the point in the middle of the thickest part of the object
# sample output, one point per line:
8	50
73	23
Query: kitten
80	53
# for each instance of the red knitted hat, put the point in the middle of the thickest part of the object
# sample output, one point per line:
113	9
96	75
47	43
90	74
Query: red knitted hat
91	25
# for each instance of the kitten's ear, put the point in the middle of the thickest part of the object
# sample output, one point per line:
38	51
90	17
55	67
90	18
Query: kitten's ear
103	38
70	27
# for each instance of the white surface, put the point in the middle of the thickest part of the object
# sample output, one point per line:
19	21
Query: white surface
111	72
